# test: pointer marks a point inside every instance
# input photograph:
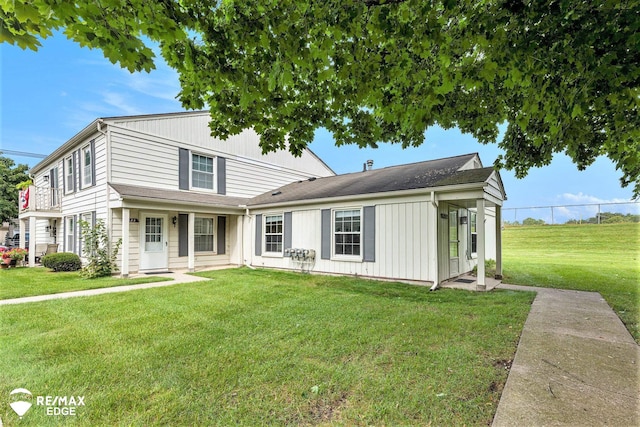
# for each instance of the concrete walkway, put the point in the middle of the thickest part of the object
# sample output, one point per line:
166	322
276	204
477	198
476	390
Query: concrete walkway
576	365
177	277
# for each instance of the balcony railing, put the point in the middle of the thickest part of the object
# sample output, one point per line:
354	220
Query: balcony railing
40	199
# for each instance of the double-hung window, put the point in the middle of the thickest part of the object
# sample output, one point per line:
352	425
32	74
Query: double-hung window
201	171
70	234
203	234
473	225
347	232
273	232
87	166
69	174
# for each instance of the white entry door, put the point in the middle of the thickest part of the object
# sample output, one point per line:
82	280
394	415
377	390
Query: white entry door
154	245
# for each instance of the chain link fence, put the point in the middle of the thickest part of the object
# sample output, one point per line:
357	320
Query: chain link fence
591	213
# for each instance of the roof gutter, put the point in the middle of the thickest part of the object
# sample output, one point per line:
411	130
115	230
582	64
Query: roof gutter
80	136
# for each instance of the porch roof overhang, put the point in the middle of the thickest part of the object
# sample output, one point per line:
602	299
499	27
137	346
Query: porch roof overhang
133	196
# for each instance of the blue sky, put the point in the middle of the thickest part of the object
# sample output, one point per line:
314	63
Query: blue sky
50	95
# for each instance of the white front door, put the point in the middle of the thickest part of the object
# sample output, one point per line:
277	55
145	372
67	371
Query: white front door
154	245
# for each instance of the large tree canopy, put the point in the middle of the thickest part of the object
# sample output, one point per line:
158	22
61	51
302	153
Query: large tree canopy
563	74
10	175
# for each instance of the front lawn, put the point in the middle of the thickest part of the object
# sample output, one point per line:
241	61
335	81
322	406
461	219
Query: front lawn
600	258
266	348
26	282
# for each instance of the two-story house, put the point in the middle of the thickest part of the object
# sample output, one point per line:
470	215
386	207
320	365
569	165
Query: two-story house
173	193
181	199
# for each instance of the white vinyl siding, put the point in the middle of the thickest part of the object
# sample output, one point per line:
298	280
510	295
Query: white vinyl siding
347	232
203	234
273	233
202	171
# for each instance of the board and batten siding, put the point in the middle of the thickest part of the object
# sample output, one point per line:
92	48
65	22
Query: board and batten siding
401	242
192	129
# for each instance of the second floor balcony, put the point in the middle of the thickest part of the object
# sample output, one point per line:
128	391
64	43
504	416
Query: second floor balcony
40	199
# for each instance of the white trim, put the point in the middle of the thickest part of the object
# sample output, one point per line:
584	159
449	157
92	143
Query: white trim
266	253
341	257
83	175
214	248
214	173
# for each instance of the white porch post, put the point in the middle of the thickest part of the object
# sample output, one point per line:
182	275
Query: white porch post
499	242
124	267
32	239
191	264
480	227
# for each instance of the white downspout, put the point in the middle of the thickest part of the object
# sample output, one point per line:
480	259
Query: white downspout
248	260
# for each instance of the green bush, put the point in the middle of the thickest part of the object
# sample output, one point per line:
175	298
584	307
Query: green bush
62	261
489	268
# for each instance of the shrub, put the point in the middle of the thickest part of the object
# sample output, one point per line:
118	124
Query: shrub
62	261
100	257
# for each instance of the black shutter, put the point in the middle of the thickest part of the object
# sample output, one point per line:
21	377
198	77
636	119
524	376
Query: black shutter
93	162
288	227
183	235
64	234
258	249
369	231
222	234
222	175
183	168
325	224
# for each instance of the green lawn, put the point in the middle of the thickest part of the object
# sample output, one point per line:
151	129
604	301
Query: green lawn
25	282
600	258
265	348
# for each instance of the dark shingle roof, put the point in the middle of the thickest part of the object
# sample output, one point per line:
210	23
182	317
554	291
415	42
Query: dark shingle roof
176	196
432	173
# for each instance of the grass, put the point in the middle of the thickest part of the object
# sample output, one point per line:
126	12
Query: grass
600	258
266	348
25	282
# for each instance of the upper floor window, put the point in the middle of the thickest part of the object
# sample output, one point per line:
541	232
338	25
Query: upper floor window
273	233
87	166
201	171
69	174
346	232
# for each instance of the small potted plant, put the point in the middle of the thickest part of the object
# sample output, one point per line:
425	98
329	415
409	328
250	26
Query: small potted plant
14	255
5	259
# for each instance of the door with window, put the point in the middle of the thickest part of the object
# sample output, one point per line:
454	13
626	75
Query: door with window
454	243
154	245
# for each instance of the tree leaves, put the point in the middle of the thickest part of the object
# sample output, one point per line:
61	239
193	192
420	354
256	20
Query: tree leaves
563	74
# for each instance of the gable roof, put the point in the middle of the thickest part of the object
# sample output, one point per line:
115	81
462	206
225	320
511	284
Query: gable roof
427	174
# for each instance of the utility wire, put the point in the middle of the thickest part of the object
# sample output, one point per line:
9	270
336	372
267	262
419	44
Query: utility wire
23	154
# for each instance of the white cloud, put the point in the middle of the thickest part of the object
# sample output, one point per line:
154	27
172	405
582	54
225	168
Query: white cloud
581	198
121	103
